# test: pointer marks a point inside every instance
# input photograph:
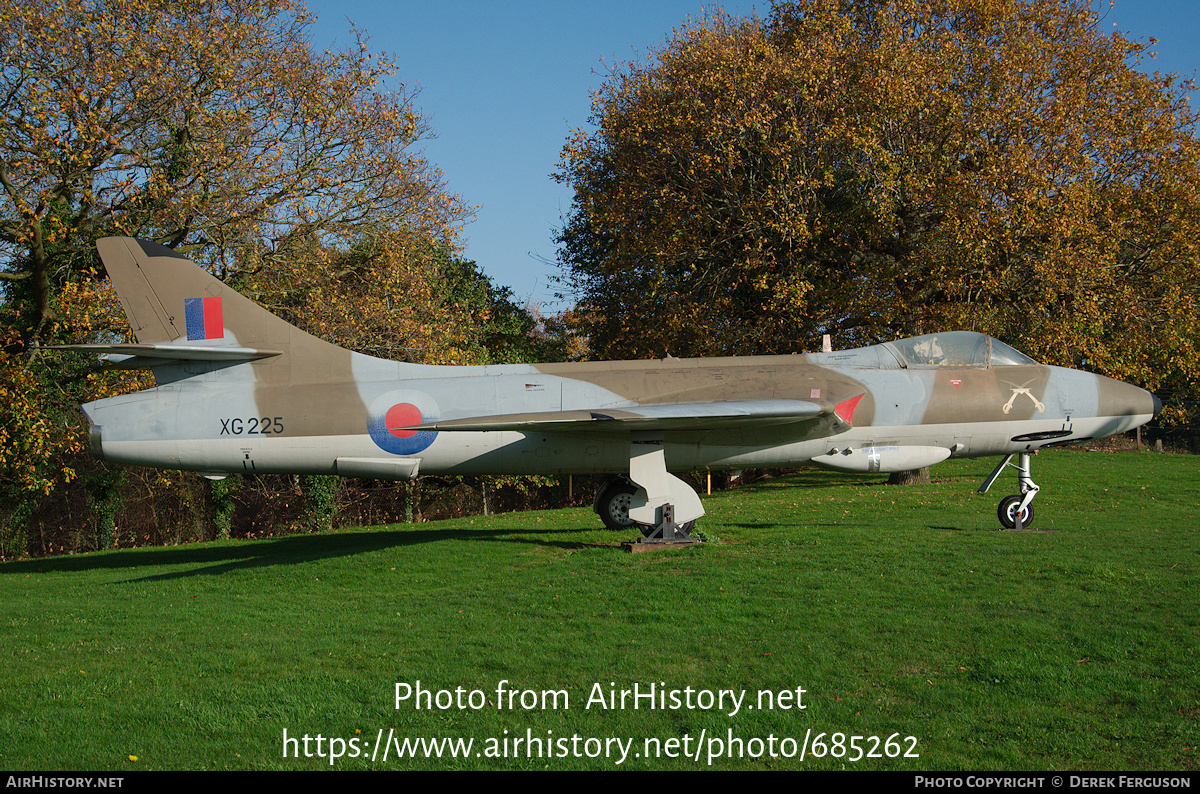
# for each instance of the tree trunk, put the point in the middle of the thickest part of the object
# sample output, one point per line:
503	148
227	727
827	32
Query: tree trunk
914	477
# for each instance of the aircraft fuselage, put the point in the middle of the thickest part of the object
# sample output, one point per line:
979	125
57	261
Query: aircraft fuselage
904	416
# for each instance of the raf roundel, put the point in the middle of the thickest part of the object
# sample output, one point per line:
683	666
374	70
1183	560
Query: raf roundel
391	419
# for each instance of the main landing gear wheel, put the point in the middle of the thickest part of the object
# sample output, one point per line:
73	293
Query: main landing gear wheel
613	504
613	507
1008	512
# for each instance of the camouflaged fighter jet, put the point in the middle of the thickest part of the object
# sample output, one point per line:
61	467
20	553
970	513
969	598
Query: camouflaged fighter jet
240	390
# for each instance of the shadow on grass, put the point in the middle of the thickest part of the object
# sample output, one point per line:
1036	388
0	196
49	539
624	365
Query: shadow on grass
221	557
805	478
825	478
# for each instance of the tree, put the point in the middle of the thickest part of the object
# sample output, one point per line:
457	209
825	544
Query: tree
401	299
879	168
378	291
494	327
210	126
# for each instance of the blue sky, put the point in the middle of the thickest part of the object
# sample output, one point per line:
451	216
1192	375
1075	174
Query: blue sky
503	84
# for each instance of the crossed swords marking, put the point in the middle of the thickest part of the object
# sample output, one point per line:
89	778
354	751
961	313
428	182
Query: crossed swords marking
1022	389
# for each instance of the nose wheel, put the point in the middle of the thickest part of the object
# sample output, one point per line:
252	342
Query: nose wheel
1012	515
1015	512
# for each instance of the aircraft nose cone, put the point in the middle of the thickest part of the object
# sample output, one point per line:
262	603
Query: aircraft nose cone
1157	405
1124	399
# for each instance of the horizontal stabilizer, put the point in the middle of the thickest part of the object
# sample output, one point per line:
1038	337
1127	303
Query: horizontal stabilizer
162	353
667	416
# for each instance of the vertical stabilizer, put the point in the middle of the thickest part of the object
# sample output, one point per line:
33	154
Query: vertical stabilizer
169	300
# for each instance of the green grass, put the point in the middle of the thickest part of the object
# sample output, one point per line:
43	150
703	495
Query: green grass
899	610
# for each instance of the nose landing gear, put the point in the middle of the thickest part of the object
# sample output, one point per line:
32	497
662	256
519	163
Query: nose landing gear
1015	512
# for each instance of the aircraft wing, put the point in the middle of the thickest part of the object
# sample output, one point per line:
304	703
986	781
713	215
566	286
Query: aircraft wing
665	416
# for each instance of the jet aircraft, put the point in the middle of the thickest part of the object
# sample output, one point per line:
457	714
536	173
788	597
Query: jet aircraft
240	390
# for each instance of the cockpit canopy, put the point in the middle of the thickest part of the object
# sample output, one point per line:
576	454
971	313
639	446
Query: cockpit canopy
955	349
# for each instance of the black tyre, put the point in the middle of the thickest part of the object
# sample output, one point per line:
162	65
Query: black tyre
613	504
1008	513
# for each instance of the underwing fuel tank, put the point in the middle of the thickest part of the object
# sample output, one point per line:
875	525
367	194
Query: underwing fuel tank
883	459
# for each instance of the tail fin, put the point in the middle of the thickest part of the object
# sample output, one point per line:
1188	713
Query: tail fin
180	313
168	299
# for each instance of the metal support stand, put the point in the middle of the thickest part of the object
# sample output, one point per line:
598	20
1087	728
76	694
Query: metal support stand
668	531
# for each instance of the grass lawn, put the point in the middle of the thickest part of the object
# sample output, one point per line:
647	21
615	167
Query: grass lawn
899	611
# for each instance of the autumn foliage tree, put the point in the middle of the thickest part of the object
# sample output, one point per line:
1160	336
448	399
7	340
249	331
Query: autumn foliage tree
389	295
880	168
210	126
